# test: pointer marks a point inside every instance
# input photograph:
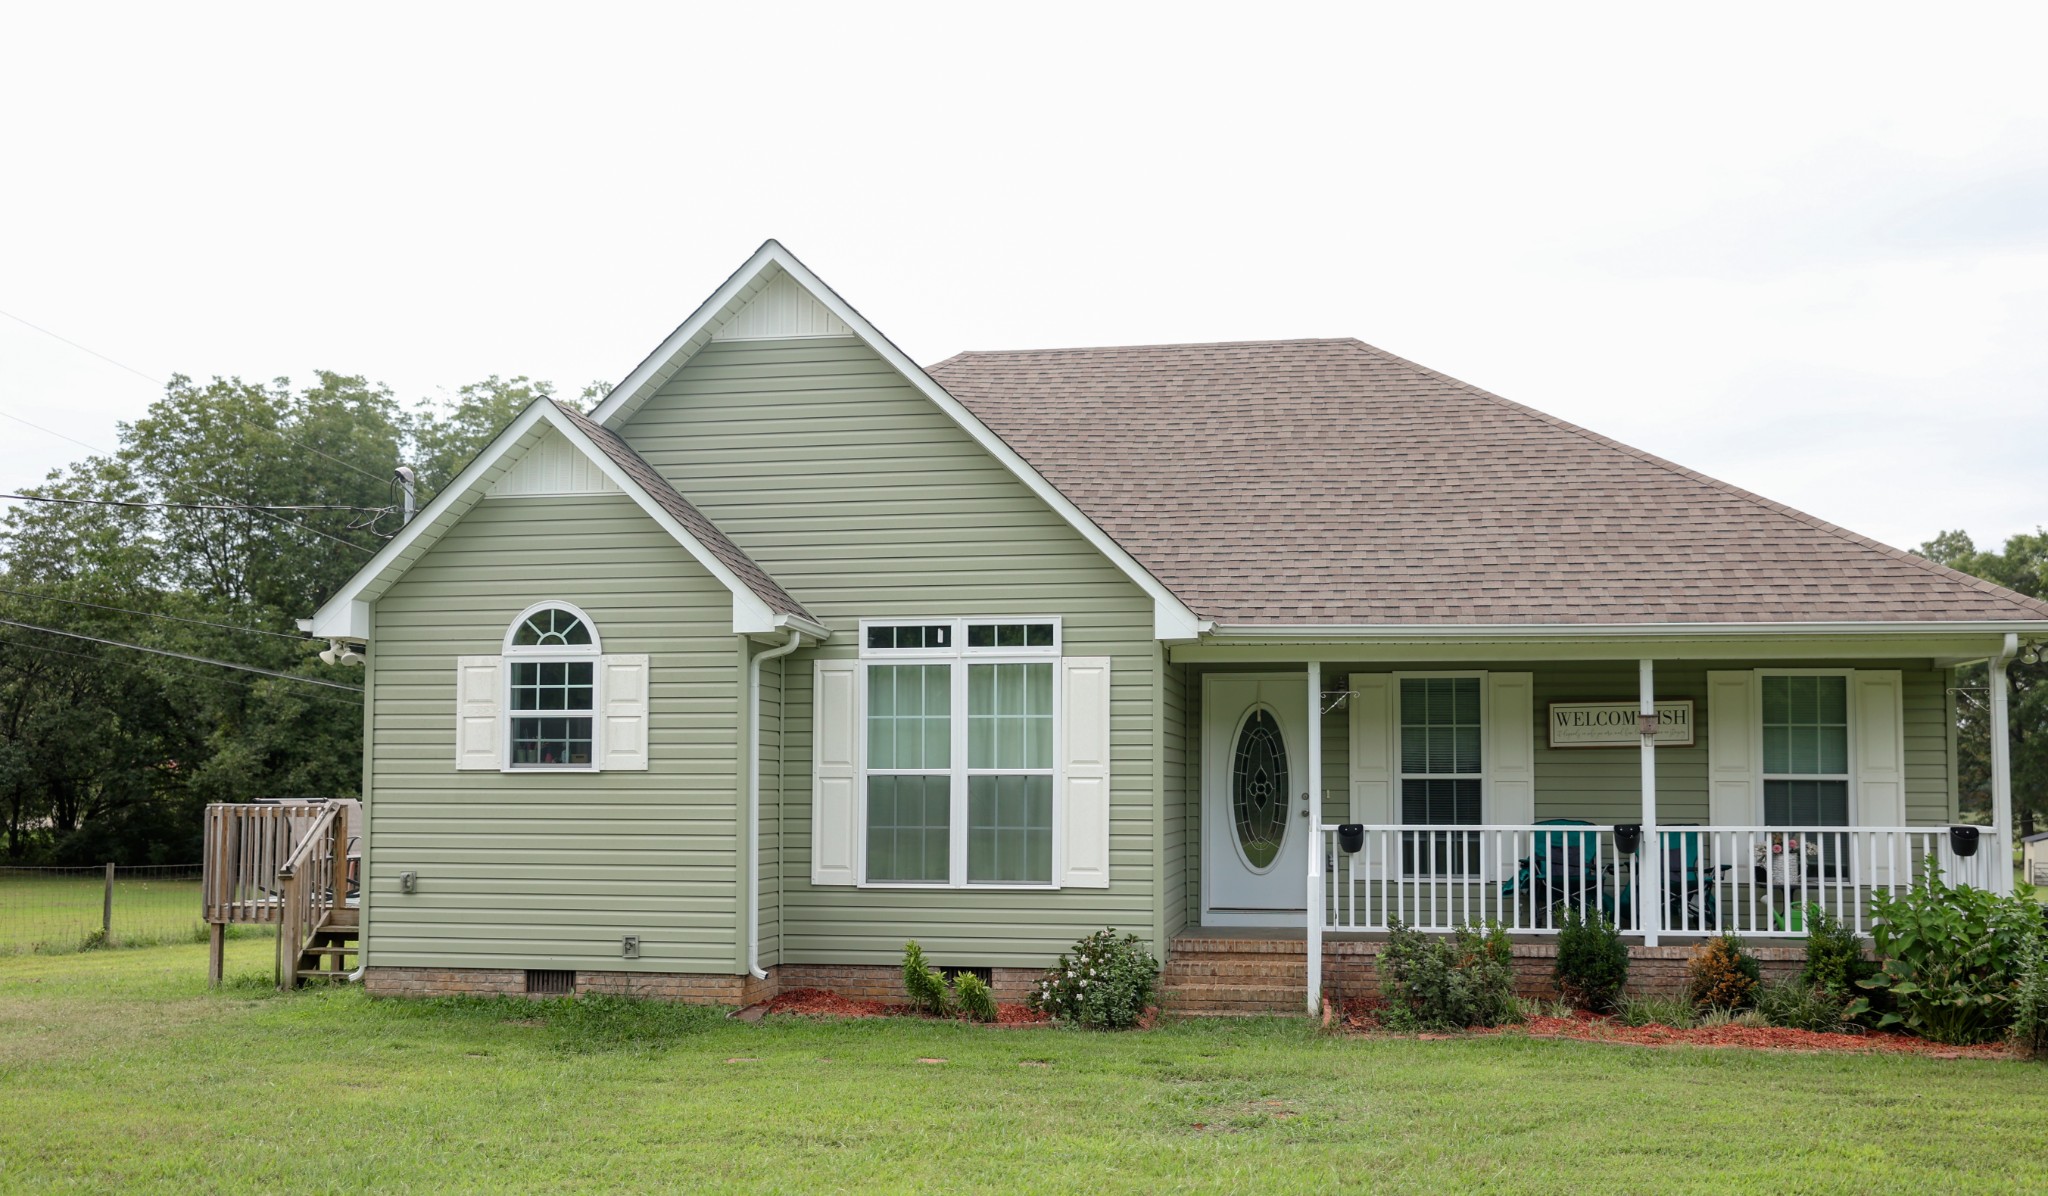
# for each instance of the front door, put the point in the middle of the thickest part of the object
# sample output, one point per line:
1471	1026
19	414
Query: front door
1255	828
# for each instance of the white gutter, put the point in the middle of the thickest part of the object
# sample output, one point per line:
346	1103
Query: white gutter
796	638
1414	631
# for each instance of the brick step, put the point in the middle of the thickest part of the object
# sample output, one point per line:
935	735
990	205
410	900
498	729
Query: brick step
1272	971
1233	998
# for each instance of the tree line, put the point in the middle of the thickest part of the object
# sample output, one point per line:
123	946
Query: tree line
109	753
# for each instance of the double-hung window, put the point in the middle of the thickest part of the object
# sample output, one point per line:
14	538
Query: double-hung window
958	751
1440	773
551	705
1806	757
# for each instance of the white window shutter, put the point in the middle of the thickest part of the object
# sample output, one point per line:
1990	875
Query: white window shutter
1372	749
1734	748
1083	784
1509	754
835	771
623	691
1878	743
477	695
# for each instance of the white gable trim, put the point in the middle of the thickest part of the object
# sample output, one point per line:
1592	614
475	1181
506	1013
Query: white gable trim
347	614
1171	618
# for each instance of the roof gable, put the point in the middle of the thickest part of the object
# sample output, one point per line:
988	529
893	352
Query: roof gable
604	463
1330	483
767	277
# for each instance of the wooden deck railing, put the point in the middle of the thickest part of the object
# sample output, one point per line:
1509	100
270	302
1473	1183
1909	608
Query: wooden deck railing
246	845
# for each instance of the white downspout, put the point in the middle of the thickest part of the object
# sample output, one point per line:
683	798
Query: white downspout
2001	765
796	638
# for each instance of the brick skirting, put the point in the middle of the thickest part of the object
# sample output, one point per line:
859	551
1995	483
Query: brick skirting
864	982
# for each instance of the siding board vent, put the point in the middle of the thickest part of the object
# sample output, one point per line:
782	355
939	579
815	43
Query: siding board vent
550	982
782	308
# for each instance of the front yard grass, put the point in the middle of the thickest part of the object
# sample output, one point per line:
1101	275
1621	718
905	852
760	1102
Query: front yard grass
120	1070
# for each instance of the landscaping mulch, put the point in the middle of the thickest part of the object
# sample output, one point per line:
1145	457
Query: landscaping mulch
819	1002
1363	1017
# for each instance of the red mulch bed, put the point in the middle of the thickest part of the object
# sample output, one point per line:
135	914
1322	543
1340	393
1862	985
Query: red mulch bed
1363	1017
819	1002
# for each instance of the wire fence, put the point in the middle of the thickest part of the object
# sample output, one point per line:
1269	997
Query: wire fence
80	909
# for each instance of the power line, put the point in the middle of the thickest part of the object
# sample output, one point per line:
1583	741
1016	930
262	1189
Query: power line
166	671
225	664
297	639
197	506
160	382
268	514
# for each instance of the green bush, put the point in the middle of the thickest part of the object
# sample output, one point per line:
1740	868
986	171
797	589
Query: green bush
1951	960
1447	982
926	987
1801	1005
1104	983
1834	955
2030	994
1592	961
1654	1010
977	1001
1721	974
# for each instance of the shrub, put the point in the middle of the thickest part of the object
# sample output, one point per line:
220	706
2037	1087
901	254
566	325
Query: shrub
926	987
1951	960
976	999
1592	961
1834	955
1801	1005
2030	994
1675	1012
1104	983
1721	975
1447	982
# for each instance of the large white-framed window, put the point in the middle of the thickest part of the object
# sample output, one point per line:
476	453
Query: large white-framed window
1441	777
551	671
1804	719
959	734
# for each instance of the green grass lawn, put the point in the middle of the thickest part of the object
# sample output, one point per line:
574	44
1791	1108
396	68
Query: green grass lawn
57	913
119	1070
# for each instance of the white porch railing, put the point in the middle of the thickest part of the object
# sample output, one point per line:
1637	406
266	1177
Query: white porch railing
1750	880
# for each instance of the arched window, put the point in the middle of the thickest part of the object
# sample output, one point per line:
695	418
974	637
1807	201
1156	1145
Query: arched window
552	650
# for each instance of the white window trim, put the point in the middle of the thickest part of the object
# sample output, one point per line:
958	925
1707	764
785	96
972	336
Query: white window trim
959	656
512	654
1759	810
1485	754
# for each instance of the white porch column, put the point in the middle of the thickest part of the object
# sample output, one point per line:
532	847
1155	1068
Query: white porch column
1650	852
1314	914
2001	767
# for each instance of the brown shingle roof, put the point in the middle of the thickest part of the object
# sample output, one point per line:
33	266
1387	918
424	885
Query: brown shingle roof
665	495
1326	481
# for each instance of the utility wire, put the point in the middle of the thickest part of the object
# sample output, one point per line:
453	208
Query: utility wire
297	639
160	382
269	514
164	670
225	664
197	506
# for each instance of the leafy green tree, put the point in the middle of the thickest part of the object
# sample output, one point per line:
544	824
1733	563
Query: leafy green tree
2023	567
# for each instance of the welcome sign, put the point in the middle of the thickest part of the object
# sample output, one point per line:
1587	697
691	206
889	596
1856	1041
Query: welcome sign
1613	724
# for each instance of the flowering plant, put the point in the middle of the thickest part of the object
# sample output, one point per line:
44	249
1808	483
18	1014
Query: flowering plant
1105	982
1780	843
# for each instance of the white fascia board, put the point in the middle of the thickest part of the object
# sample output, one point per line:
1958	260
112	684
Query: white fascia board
1171	618
347	614
1407	631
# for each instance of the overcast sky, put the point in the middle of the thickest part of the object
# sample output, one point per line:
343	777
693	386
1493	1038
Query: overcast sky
1802	249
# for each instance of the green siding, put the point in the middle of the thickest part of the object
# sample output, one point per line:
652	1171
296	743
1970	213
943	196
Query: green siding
549	870
864	500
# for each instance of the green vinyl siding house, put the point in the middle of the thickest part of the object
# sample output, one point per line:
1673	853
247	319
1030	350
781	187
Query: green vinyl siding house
792	650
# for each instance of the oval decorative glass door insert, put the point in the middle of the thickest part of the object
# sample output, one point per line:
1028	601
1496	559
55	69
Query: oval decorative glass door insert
1258	788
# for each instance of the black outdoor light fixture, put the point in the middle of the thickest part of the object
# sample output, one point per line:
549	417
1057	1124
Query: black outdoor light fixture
1627	837
1963	840
1351	836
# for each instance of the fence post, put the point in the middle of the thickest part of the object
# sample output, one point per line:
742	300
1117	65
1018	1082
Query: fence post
107	911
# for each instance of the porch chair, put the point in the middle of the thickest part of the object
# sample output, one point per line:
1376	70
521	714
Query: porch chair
1561	869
